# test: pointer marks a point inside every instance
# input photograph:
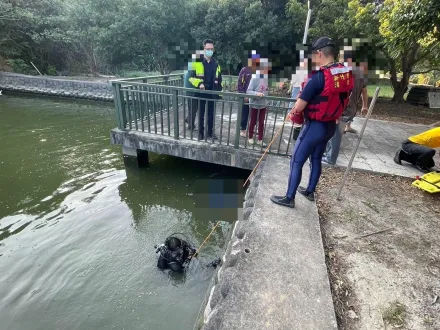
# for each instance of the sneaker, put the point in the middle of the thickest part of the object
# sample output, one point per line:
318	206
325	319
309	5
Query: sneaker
210	137
200	137
309	195
326	162
350	130
283	200
243	133
261	143
251	141
396	158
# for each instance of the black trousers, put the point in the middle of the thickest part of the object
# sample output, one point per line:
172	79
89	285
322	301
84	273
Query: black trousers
244	116
193	105
417	154
210	118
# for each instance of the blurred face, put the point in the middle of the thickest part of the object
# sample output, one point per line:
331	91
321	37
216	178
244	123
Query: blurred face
317	57
263	66
364	67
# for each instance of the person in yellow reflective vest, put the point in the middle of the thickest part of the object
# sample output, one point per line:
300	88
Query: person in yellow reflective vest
206	75
419	149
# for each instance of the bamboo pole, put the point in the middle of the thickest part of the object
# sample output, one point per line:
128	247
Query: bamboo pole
350	163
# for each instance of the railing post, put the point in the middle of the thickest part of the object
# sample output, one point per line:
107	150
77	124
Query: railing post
237	128
120	118
176	114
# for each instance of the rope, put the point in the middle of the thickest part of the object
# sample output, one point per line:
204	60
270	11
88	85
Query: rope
265	152
206	239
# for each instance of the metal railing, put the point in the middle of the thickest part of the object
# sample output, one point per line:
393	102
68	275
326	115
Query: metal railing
160	105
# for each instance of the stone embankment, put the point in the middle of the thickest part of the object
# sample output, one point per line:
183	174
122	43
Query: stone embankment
54	86
273	274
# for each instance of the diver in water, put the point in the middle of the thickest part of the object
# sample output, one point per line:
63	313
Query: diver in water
174	254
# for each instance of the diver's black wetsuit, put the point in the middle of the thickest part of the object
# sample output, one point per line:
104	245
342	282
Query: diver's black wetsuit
173	254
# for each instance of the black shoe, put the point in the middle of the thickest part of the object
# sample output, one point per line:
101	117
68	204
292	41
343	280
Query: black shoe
423	168
397	159
210	137
200	137
309	195
283	200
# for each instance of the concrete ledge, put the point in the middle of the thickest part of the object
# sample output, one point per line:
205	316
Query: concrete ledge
274	274
50	86
195	150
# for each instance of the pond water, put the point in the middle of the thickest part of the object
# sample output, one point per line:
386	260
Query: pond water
78	226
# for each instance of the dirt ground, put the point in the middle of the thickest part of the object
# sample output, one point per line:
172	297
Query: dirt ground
405	112
390	279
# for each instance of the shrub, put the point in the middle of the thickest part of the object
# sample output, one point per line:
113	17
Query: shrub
51	70
20	66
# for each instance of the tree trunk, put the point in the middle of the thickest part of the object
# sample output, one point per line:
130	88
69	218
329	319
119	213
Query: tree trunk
408	62
399	93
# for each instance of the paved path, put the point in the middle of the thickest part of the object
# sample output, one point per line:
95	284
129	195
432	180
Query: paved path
274	276
378	146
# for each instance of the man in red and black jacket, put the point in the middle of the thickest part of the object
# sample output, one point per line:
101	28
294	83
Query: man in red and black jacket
324	98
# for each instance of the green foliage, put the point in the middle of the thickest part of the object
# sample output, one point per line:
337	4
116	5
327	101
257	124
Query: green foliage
405	52
51	70
20	66
108	36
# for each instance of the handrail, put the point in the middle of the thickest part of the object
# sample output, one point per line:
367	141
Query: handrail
147	77
163	108
201	91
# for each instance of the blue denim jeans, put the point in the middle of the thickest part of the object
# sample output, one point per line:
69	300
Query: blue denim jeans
294	95
334	145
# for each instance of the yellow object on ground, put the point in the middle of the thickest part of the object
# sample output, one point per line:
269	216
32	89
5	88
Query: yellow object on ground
429	182
429	138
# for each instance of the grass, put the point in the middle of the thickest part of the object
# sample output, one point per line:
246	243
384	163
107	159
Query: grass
395	314
386	91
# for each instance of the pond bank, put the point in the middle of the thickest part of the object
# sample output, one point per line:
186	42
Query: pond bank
273	274
53	86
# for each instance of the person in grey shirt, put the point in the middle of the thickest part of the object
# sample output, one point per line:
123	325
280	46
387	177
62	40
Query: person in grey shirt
359	91
258	86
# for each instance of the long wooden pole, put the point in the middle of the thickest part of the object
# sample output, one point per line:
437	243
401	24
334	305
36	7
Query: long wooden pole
36	68
350	163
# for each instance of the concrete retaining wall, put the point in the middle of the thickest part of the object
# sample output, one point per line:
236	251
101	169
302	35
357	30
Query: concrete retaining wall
56	87
273	274
216	293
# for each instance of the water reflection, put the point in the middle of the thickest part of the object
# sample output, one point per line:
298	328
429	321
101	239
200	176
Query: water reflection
78	228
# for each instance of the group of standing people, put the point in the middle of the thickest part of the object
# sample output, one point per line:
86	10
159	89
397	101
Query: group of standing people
204	73
326	103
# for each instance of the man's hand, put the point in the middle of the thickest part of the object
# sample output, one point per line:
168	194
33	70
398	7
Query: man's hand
260	94
202	86
364	111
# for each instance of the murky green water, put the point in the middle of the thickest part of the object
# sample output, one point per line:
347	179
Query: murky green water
77	227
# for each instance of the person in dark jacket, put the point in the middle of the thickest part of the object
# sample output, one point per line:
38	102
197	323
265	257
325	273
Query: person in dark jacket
244	78
206	75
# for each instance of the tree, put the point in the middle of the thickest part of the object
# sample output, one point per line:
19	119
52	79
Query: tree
404	52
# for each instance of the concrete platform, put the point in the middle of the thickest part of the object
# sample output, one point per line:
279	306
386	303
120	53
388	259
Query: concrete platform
274	275
378	146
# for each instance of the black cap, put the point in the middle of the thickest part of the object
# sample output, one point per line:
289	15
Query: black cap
322	42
